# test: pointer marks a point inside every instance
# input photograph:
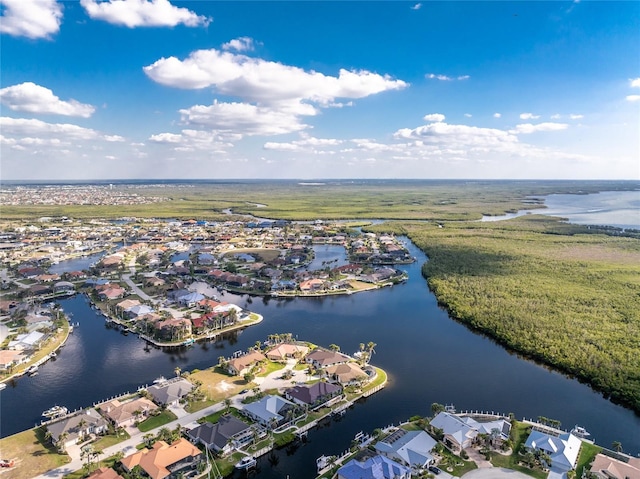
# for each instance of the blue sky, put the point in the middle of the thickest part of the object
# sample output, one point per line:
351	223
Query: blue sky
95	89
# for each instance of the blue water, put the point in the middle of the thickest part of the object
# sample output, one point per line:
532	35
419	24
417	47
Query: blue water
429	358
611	208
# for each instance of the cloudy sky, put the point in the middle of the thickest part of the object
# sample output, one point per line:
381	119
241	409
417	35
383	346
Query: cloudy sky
94	89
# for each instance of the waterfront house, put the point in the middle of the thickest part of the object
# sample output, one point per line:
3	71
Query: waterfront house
224	436
138	310
310	285
377	467
620	467
346	374
169	393
126	304
190	300
412	448
243	364
74	429
284	351
164	460
127	413
314	395
562	450
27	342
458	435
11	358
321	358
270	411
112	292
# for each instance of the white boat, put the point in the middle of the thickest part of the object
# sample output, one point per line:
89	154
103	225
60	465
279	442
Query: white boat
246	462
160	380
3	386
32	370
55	411
580	432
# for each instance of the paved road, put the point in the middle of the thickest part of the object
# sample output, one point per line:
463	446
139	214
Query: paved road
135	289
494	473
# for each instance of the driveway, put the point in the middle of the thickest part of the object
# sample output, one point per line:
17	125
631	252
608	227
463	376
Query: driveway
494	473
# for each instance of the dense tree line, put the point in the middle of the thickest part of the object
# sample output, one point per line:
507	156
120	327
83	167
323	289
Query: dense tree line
545	289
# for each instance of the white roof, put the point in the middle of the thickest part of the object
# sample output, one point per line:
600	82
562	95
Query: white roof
563	450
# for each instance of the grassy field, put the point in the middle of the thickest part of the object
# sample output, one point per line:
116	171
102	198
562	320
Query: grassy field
152	422
588	452
215	386
546	289
519	433
436	200
32	458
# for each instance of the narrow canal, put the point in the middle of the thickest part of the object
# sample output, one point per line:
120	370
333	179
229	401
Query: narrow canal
429	358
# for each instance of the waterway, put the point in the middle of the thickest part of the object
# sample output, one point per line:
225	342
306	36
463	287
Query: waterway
76	264
429	358
612	208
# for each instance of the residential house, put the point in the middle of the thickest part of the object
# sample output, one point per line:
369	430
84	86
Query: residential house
346	374
73	429
321	358
64	287
169	393
563	450
412	448
104	473
127	413
190	300
284	351
310	285
138	310
164	460
314	395
224	436
607	467
458	435
377	467
27	341
242	365
11	358
269	411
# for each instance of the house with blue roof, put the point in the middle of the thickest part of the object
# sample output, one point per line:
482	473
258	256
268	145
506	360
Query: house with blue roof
377	467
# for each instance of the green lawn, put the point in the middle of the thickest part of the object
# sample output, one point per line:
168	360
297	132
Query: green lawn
32	456
153	422
270	367
110	440
587	453
519	433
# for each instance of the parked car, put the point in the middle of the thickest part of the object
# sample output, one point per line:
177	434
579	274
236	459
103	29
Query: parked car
435	470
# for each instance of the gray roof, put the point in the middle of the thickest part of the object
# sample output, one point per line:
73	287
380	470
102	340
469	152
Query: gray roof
218	435
413	447
268	408
170	391
310	394
71	425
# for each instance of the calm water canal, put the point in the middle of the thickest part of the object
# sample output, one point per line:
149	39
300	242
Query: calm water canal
429	358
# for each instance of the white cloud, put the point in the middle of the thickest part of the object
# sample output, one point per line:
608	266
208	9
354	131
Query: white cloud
417	6
259	80
635	82
142	13
468	115
193	140
247	119
36	128
307	143
632	97
30	18
437	117
434	76
528	116
275	95
241	44
526	128
497	115
37	99
459	136
574	116
556	116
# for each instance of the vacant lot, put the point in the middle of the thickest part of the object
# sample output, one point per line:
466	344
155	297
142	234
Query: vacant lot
32	458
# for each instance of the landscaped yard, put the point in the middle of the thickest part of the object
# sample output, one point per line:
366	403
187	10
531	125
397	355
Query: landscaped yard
31	456
519	433
215	386
110	440
270	367
587	453
153	422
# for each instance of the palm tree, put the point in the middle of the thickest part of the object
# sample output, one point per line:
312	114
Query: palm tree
617	445
227	404
177	370
370	349
334	347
